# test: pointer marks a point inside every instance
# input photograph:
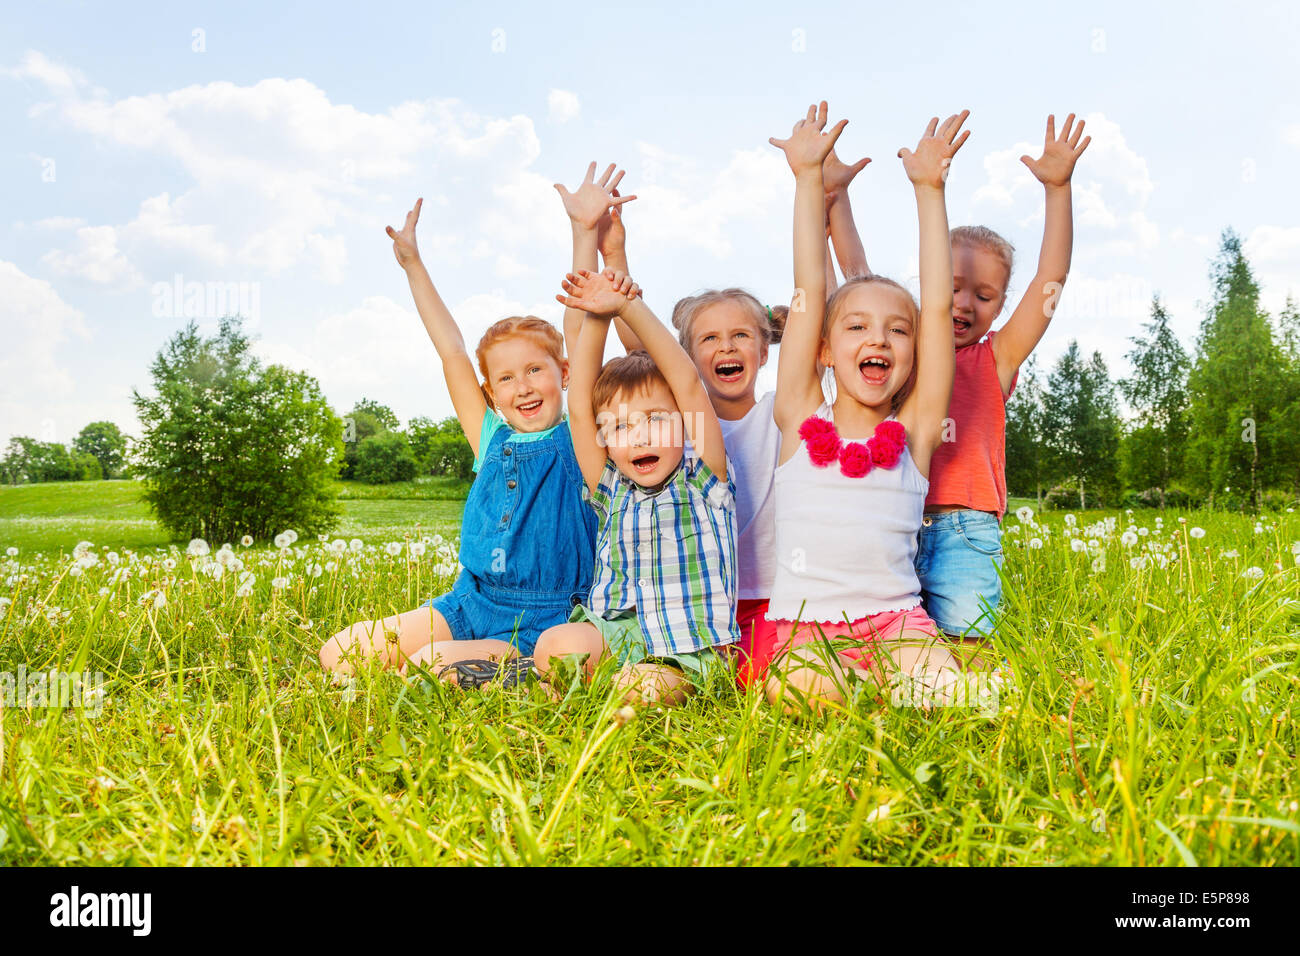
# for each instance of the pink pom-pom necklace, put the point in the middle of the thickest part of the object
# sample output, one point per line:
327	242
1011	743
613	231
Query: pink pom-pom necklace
882	449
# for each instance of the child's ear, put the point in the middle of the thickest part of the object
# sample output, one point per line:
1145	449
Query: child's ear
824	355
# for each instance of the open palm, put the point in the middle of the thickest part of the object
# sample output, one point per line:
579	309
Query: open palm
808	146
928	165
593	198
1056	165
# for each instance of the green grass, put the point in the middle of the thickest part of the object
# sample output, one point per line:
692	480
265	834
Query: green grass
1152	721
57	515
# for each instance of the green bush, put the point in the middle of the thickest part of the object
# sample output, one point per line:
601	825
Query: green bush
1065	497
384	458
232	447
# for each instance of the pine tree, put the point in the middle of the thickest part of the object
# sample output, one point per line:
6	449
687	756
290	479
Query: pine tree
1026	456
1081	424
1151	453
1237	387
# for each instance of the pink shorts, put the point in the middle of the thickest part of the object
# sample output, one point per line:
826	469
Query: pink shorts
863	633
757	642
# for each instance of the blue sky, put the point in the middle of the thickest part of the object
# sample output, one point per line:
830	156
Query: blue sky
272	158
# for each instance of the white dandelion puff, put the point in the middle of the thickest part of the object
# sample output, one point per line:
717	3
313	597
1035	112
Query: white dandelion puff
246	541
1253	572
1197	532
197	548
1128	539
1035	543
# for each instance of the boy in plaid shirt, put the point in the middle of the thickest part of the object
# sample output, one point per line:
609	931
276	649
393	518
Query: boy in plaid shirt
651	450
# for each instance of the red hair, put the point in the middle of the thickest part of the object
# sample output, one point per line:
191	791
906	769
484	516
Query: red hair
529	326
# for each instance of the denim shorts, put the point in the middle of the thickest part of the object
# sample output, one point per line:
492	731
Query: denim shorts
476	611
957	560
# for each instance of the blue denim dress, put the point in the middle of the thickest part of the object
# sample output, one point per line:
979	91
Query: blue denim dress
527	542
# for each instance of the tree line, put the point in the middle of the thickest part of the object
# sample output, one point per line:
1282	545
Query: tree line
1209	428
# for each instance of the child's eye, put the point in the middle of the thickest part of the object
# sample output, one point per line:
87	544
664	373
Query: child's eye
708	338
899	329
984	298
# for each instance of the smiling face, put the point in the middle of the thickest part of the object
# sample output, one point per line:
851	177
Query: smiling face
526	383
871	343
642	433
728	350
979	290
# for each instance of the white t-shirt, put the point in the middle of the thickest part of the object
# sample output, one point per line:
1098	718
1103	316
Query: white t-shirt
753	444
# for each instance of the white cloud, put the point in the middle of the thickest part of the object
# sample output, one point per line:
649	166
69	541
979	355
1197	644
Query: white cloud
380	350
281	176
1274	255
679	203
562	106
36	390
94	257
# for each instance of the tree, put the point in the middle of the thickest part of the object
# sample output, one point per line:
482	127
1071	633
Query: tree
106	443
385	458
1238	387
1151	452
1026	458
230	447
441	448
28	460
367	418
1081	424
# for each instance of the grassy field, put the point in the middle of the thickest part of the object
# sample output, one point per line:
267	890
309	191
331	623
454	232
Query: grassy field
55	516
1151	719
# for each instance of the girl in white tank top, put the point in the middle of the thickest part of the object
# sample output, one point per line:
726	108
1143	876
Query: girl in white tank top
852	477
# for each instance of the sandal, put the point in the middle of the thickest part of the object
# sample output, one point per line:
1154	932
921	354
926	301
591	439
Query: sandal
471	674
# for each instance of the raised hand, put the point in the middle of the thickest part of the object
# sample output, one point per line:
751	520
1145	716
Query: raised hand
1056	165
611	236
808	146
836	176
600	293
928	165
404	247
592	199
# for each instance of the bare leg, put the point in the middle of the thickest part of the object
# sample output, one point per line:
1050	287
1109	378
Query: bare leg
653	684
806	675
925	664
439	654
391	640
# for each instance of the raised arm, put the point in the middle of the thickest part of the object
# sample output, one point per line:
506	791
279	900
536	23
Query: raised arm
611	293
1028	323
611	238
923	412
457	366
584	367
798	388
588	208
836	177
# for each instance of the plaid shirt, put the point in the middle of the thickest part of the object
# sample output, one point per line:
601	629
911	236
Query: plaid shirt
670	555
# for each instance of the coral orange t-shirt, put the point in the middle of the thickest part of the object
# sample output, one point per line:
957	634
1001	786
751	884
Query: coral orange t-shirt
971	470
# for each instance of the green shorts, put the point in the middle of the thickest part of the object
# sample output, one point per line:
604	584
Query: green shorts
626	642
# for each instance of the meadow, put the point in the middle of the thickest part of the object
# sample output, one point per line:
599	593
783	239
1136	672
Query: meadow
1149	719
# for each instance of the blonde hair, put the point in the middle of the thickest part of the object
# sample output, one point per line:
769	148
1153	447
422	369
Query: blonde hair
628	374
835	305
766	320
982	237
528	326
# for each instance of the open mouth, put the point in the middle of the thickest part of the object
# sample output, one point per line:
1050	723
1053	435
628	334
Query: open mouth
530	410
644	464
729	371
875	370
960	326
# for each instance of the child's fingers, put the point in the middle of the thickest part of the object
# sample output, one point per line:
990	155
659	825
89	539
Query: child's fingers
904	154
1082	146
392	233
1051	127
1065	130
591	172
1078	132
812	114
957	145
822	113
838	128
619	200
608	172
931	127
860	165
613	187
778	143
559	188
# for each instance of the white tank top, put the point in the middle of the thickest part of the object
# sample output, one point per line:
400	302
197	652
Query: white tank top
845	547
753	444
